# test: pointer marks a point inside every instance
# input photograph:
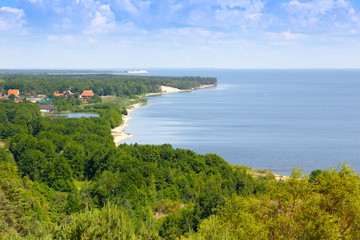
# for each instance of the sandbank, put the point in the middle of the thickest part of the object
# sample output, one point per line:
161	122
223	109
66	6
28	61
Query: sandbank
165	89
118	132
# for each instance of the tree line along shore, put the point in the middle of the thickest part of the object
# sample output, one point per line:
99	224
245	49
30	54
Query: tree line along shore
66	179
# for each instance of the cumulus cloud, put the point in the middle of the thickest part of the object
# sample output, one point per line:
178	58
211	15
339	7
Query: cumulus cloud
229	13
245	5
12	19
133	6
321	11
102	21
71	16
235	13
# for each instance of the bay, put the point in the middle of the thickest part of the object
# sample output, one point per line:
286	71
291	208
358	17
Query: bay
264	119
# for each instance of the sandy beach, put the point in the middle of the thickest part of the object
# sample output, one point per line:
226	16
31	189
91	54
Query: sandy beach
118	132
165	89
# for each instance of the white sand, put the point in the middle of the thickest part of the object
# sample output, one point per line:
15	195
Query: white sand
207	86
118	132
165	89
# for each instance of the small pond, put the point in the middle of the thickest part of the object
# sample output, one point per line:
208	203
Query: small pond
76	115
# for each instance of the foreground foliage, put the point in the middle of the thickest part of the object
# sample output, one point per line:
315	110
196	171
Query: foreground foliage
323	207
65	179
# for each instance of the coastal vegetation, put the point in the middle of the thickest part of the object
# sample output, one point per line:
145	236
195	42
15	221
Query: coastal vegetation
66	179
100	84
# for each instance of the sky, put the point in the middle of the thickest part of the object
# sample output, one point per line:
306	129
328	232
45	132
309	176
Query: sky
140	34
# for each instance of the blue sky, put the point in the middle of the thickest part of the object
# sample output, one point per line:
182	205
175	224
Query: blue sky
179	34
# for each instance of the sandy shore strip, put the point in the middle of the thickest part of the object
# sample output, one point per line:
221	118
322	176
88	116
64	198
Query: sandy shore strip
206	86
118	132
165	89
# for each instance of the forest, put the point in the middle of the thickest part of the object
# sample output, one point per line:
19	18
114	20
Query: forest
64	178
100	84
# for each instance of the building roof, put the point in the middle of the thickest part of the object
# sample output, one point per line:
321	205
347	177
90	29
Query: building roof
34	100
45	100
41	96
87	93
57	94
47	107
16	92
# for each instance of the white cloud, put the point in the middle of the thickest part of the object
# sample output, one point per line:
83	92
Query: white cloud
133	6
129	6
248	9
62	38
53	37
229	13
246	5
190	32
12	19
92	41
288	36
69	16
320	11
103	20
294	36
35	1
174	6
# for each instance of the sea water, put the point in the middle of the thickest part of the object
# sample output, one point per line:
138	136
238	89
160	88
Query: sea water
264	119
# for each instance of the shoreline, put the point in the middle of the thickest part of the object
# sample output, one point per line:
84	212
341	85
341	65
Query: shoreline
166	90
120	135
118	132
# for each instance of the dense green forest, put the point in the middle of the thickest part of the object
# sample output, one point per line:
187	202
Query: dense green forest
65	179
101	84
60	172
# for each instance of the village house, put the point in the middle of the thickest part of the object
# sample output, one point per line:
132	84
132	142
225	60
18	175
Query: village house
58	94
87	94
33	100
44	100
16	92
68	93
47	108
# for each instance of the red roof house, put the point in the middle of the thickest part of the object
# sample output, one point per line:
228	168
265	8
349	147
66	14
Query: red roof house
16	92
87	94
58	94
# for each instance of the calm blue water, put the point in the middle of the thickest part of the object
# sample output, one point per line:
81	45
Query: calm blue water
76	115
265	119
